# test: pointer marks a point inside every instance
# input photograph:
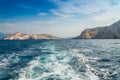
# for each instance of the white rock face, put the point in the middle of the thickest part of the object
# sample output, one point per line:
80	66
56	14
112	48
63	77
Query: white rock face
22	36
107	32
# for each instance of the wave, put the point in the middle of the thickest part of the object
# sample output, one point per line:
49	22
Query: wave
55	66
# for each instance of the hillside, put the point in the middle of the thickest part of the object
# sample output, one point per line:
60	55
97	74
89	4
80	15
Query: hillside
23	36
106	32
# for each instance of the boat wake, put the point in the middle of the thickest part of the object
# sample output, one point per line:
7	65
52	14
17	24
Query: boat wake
57	65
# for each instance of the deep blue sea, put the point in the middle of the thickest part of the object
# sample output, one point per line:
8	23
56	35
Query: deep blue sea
60	60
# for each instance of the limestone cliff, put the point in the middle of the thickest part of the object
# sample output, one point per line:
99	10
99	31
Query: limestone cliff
107	32
22	36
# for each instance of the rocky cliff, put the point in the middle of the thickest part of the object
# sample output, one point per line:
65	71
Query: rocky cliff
22	36
106	32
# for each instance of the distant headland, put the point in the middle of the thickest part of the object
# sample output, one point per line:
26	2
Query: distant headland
106	32
24	36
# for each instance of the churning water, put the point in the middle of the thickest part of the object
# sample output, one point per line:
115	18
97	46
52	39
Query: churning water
60	60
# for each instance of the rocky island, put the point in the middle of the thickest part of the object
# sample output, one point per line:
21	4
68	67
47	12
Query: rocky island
23	36
106	32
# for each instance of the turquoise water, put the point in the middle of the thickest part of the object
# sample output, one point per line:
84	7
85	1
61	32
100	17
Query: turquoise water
60	60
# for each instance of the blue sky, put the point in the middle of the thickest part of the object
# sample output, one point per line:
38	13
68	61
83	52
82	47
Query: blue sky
64	18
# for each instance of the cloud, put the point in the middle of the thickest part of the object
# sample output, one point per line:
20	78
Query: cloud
107	16
84	7
112	13
42	14
26	6
102	12
10	24
59	14
80	6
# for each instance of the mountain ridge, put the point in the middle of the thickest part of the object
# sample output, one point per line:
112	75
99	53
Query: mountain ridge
106	32
24	36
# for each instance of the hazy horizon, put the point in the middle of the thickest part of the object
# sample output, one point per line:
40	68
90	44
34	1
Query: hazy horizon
63	18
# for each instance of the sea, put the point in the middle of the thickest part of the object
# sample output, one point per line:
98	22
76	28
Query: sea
68	59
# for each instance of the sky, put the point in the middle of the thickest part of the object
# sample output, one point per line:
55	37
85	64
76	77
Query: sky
63	18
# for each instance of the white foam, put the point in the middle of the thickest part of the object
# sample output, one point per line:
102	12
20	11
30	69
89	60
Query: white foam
8	59
55	65
84	59
4	63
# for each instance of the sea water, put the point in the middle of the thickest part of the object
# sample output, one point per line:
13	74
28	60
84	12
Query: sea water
60	60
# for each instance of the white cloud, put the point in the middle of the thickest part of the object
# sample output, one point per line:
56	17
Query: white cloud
103	12
57	13
88	7
42	14
107	16
10	24
81	6
26	6
111	14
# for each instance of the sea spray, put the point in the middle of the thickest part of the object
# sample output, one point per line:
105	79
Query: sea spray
60	60
83	59
51	66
